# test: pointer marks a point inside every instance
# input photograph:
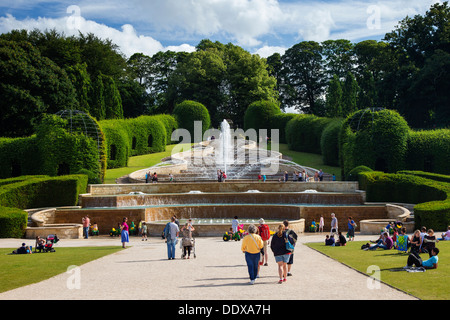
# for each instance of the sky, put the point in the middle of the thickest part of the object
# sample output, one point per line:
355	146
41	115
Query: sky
259	26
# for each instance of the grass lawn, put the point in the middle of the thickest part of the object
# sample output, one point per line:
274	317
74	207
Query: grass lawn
429	285
137	163
18	270
311	160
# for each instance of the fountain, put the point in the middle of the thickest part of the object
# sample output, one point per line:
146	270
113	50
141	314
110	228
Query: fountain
214	204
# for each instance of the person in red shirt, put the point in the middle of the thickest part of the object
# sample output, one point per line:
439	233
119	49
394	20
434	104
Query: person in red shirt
86	224
264	233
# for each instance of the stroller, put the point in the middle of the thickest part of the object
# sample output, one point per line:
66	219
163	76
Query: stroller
188	241
49	243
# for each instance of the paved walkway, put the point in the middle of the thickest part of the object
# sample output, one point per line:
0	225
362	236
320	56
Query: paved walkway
218	273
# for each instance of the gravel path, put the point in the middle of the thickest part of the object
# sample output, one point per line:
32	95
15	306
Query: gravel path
219	272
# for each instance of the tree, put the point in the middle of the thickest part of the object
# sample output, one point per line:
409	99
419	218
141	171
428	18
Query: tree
113	101
30	85
304	78
338	56
349	95
333	102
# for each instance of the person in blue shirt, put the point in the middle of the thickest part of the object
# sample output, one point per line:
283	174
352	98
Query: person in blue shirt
415	260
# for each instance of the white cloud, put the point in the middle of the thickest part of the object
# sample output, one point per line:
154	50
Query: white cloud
127	38
267	51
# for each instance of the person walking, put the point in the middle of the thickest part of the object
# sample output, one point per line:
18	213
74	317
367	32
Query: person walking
86	224
292	237
321	224
282	255
187	240
334	224
171	233
124	235
264	233
251	247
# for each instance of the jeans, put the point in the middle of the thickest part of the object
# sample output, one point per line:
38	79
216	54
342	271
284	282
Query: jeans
378	245
414	260
252	260
171	248
86	232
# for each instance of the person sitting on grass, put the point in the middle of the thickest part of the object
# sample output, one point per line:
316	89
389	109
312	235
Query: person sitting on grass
415	260
385	243
446	235
341	240
329	241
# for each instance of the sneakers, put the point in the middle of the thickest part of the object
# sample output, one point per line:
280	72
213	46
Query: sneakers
289	274
252	282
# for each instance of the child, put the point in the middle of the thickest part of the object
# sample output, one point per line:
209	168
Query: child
429	242
445	235
234	224
144	231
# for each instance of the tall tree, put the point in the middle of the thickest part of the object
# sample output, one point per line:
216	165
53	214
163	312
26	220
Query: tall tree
349	95
333	104
303	75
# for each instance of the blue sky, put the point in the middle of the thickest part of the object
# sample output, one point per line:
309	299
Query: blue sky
259	26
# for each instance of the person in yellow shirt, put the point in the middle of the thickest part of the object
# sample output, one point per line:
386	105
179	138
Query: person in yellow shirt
251	247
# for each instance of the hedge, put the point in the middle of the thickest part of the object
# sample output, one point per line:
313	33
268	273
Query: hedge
279	122
38	192
429	151
353	175
13	222
329	142
187	112
304	133
259	115
377	139
18	156
432	198
170	124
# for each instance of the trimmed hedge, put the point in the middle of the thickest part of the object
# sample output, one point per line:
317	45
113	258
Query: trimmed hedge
432	198
329	142
38	192
170	124
377	139
353	175
13	222
429	151
279	121
117	140
18	156
304	133
259	115
187	112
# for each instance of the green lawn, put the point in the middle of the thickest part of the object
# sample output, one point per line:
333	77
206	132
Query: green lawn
137	163
18	270
429	285
311	160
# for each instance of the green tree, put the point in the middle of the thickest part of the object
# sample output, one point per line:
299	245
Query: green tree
349	94
303	75
333	102
113	101
29	86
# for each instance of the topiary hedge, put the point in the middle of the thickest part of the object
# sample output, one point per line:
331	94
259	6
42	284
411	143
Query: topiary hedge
118	147
353	175
259	115
432	197
187	112
329	142
377	139
304	133
13	222
18	156
429	151
170	124
37	192
279	121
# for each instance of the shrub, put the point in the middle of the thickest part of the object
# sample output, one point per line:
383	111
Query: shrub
147	134
377	139
279	121
429	151
118	147
432	197
304	132
259	115
187	112
170	124
353	175
18	156
38	192
13	222
329	142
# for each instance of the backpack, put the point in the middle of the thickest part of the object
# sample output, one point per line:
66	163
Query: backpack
289	246
264	232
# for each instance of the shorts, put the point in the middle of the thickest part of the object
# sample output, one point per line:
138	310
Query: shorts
283	258
291	259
